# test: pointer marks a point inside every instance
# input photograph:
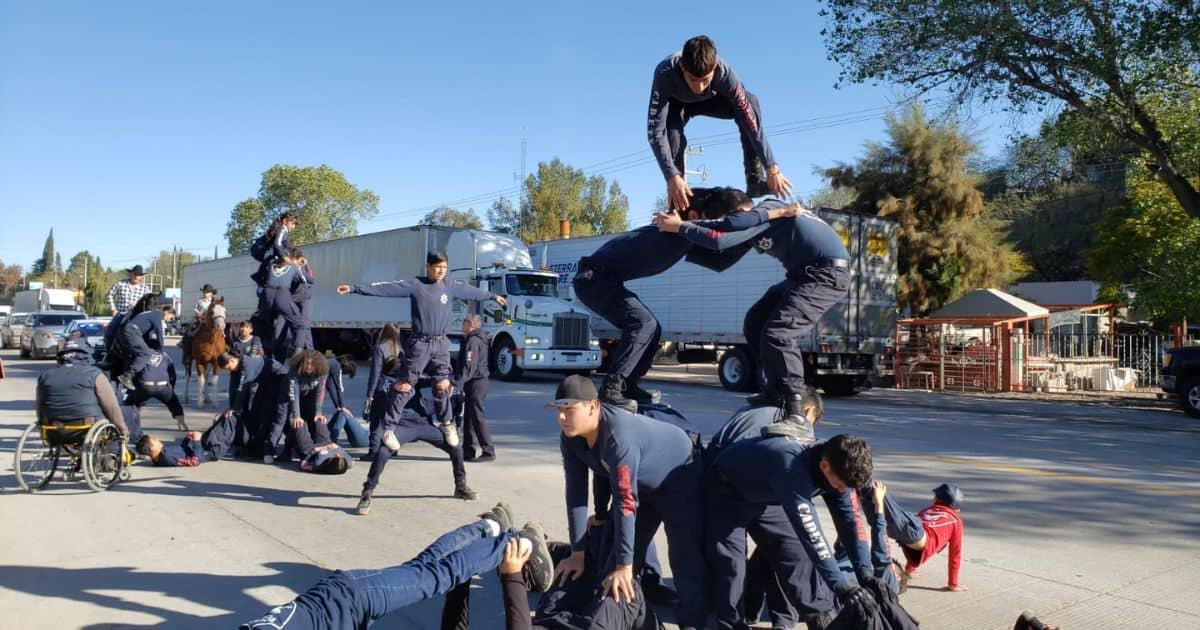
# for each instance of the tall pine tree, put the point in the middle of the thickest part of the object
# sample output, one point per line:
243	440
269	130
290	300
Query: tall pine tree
46	262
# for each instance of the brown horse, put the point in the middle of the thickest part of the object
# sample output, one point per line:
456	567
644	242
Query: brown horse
207	344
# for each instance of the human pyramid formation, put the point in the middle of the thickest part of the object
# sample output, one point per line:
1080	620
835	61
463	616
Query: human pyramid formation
644	463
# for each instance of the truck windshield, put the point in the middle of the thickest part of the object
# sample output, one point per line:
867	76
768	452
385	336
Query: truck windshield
540	286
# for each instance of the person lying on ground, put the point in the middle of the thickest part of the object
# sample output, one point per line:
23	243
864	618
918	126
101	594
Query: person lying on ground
926	534
356	599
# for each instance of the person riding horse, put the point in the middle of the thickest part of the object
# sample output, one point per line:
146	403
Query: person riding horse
199	310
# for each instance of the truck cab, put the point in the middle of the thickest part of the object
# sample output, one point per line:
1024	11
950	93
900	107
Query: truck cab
537	330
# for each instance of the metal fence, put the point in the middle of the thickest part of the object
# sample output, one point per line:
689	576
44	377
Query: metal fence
965	360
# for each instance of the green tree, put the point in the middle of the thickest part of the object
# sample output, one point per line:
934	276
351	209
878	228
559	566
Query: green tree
11	280
948	244
325	204
1103	59
451	217
830	197
559	191
1151	246
502	217
45	264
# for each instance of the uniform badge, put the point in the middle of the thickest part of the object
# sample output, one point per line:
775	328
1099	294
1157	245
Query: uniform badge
765	244
445	298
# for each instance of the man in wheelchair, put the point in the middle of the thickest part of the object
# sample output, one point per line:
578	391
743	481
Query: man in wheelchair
75	393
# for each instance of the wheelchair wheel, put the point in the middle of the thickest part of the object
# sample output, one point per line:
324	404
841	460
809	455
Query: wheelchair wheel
35	460
103	456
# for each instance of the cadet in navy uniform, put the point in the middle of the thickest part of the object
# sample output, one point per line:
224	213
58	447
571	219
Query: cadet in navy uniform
654	470
696	82
276	306
246	343
250	372
472	381
302	296
335	392
794	591
157	381
139	337
76	390
300	402
387	366
413	423
818	275
600	285
747	476
427	346
272	246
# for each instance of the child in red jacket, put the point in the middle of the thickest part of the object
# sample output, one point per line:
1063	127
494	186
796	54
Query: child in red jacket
927	533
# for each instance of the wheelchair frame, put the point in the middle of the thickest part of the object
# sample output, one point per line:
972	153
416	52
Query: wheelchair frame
86	456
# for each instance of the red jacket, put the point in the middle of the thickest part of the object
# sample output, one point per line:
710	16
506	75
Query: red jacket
943	526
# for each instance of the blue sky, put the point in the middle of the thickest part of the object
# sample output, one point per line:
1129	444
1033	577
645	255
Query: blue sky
130	127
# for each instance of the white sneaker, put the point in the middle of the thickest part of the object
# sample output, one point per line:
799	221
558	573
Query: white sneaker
390	441
268	459
451	434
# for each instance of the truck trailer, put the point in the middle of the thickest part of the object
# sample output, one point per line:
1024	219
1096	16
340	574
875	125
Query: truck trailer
35	300
701	311
536	330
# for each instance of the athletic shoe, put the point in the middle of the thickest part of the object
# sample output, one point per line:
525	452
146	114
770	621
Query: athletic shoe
464	492
268	459
613	393
451	434
502	514
633	389
469	456
367	457
765	398
390	441
486	457
364	504
126	381
541	567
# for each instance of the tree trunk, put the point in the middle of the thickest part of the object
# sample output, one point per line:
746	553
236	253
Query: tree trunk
1183	190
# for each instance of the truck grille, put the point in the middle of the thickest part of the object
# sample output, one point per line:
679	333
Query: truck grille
571	330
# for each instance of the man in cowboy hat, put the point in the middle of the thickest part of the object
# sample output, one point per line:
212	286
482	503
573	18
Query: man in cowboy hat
125	293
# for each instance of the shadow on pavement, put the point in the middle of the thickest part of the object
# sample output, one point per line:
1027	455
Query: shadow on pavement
226	593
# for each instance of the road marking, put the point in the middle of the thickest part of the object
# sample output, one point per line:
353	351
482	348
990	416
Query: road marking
1029	471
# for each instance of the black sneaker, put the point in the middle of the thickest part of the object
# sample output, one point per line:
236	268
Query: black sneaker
126	381
765	398
470	456
633	389
540	565
659	593
613	393
502	514
364	504
367	457
464	492
486	457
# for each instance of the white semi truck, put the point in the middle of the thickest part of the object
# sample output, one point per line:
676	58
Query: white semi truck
702	310
44	300
537	330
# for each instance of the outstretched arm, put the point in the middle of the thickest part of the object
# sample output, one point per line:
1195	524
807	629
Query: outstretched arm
398	288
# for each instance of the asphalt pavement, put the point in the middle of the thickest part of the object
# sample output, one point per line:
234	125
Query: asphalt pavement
1086	514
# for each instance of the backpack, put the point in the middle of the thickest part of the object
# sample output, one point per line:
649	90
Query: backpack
260	249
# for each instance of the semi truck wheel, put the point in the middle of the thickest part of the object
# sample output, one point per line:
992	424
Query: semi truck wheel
737	370
504	359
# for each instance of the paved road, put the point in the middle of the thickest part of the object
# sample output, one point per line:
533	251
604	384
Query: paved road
1089	515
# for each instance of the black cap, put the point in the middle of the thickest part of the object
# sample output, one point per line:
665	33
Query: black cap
949	494
207	288
573	389
76	350
136	270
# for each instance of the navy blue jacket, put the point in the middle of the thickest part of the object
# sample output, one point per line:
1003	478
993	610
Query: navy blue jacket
300	386
185	453
380	357
472	358
795	243
288	278
247	348
151	324
748	422
669	85
333	384
430	300
159	369
783	471
637	454
251	367
645	251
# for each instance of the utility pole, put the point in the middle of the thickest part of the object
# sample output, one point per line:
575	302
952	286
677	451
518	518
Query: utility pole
175	266
86	260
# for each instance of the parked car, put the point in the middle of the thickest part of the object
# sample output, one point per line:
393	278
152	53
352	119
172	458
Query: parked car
4	330
12	329
90	329
1181	376
43	330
